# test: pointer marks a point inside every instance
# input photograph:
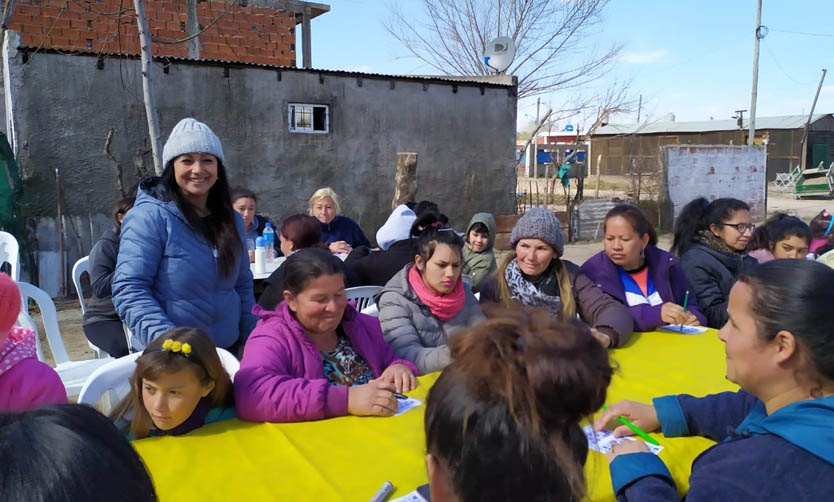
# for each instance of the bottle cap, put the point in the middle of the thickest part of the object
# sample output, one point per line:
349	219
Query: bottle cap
260	242
268	224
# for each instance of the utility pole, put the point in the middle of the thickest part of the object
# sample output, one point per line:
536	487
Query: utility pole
804	152
759	34
192	28
536	142
639	108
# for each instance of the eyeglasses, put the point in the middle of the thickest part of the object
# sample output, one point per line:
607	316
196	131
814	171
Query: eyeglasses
741	227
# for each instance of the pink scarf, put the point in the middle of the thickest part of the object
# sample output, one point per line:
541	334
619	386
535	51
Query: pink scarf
19	345
443	307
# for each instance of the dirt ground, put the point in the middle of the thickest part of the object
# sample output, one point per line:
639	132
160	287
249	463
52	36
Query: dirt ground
69	310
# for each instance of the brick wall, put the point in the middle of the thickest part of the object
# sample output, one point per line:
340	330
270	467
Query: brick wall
246	34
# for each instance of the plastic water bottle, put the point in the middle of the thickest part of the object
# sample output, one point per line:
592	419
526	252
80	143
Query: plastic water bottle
269	241
260	256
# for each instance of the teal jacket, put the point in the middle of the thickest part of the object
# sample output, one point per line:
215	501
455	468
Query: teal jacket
202	415
479	265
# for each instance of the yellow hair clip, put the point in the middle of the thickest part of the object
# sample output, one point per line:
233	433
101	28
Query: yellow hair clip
177	347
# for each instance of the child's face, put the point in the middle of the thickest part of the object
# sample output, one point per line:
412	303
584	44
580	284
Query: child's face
478	241
172	398
794	247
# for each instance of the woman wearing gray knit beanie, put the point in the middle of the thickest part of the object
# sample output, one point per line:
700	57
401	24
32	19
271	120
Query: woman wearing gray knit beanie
535	276
181	260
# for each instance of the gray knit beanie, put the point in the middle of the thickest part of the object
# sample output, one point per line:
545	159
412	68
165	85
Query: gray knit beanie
539	223
191	136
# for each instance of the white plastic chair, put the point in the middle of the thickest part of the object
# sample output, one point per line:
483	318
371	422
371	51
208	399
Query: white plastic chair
371	310
362	295
72	373
114	377
10	253
81	267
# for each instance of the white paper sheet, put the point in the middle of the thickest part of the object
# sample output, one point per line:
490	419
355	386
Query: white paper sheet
687	330
602	441
404	405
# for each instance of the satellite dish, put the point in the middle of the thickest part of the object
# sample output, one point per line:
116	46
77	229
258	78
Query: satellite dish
499	53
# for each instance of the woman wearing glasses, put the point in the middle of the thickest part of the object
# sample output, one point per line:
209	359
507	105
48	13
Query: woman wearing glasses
711	240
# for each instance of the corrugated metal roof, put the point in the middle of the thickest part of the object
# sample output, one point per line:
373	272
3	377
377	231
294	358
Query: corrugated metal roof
762	123
503	81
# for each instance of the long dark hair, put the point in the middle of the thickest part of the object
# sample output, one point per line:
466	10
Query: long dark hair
796	296
220	226
503	417
778	228
120	208
697	216
68	452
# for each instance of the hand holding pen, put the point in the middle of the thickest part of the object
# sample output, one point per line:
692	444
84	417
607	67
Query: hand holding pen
631	417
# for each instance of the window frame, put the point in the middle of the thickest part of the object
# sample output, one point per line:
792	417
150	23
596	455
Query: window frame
293	110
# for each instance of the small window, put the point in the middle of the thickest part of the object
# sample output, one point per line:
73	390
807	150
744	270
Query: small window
311	119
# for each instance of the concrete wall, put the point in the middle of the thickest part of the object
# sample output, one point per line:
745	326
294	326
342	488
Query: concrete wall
713	172
63	108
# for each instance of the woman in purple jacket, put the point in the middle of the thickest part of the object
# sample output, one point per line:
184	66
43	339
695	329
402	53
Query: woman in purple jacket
636	272
314	356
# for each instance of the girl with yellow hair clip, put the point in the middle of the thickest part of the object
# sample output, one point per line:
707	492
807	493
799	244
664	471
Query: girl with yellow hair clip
179	385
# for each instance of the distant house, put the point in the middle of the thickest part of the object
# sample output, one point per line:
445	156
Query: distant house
627	148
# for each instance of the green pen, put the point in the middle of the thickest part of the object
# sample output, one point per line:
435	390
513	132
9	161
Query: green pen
685	302
637	430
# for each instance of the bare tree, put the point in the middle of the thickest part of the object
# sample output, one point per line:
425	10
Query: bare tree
551	37
147	85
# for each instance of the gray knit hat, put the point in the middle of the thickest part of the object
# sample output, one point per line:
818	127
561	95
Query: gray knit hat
539	223
191	136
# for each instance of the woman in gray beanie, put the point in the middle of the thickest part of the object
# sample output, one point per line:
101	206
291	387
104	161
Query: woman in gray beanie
535	276
181	260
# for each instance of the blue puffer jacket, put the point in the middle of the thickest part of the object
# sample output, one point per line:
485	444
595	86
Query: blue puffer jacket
167	276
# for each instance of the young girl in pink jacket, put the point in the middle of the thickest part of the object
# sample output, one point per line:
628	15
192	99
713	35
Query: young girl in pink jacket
25	382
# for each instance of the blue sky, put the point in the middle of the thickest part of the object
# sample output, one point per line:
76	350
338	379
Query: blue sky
690	58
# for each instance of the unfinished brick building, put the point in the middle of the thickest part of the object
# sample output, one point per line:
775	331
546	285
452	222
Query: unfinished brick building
254	31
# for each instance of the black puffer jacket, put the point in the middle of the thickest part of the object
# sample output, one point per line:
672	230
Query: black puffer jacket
711	275
376	268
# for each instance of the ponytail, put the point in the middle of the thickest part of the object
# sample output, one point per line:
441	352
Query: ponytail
697	216
687	226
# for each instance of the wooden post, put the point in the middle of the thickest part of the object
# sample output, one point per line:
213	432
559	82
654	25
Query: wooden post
599	162
405	182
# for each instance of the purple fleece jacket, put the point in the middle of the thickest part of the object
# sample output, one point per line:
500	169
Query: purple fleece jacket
281	376
669	281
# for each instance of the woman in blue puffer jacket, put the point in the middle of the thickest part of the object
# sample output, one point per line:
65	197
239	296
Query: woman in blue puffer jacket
181	257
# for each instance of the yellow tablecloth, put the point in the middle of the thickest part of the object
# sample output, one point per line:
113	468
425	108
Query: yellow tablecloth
349	458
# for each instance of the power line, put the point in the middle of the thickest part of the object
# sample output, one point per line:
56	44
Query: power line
824	35
778	65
